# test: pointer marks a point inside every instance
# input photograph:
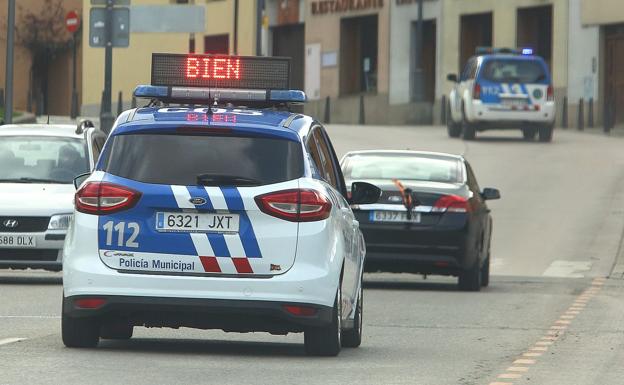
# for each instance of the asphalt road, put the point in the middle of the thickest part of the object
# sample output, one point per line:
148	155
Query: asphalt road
552	314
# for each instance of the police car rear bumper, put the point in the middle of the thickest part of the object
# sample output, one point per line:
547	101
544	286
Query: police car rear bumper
229	315
488	113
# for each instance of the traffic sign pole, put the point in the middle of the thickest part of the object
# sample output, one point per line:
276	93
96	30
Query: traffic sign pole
8	106
107	119
72	22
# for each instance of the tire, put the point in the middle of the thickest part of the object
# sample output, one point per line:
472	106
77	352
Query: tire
80	332
545	133
116	331
485	273
454	129
352	338
468	130
326	341
470	280
529	133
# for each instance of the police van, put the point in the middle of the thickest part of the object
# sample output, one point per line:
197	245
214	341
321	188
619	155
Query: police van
215	207
502	89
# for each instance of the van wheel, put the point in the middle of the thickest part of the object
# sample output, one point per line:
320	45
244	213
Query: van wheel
529	133
468	129
352	338
326	340
454	129
470	280
545	133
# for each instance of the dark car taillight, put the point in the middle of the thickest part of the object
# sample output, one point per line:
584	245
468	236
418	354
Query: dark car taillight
100	198
451	204
297	205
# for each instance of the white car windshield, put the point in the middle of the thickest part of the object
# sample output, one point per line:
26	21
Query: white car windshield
41	159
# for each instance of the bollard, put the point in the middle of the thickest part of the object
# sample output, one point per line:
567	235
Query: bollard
606	120
1	97
443	110
580	124
327	111
362	120
102	104
120	104
590	113
133	105
29	101
564	113
74	105
39	104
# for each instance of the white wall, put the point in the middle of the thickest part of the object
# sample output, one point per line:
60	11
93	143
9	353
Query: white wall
401	18
583	57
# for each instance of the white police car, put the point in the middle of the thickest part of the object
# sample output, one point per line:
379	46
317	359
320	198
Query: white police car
502	89
216	217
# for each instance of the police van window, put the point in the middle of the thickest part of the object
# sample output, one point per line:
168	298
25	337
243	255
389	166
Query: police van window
179	159
326	160
514	71
470	69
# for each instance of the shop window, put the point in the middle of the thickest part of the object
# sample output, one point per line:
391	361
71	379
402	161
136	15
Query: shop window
358	55
217	44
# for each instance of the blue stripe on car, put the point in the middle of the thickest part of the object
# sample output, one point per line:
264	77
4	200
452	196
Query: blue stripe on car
246	232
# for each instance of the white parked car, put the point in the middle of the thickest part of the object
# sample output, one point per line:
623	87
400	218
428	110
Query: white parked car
38	164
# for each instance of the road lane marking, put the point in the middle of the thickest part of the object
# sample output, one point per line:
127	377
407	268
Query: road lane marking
551	335
567	269
524	361
7	341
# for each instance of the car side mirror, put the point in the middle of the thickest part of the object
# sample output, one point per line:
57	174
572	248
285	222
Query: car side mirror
80	179
451	78
363	193
490	194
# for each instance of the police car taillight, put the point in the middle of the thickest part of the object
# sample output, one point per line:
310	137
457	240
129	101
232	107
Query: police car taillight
100	198
297	205
550	93
476	91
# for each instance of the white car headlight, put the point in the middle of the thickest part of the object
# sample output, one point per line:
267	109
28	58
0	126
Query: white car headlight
60	222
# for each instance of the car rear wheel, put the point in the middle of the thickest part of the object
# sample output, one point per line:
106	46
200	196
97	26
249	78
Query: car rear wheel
485	272
352	338
326	341
529	133
454	129
470	280
80	332
468	129
116	330
545	133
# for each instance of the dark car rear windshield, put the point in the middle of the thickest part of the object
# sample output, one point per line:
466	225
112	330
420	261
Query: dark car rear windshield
514	71
179	159
402	167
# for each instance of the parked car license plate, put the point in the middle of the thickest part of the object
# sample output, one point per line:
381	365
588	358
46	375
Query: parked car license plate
15	241
514	102
197	222
393	216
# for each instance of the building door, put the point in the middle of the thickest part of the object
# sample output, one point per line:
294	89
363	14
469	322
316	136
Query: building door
428	58
534	29
614	74
289	41
358	54
475	31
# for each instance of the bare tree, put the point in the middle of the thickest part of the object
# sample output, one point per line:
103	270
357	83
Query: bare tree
42	32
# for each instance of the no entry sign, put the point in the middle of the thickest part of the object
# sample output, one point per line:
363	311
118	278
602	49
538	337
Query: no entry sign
72	21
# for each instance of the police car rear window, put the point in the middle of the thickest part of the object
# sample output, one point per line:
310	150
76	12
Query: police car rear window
514	71
180	159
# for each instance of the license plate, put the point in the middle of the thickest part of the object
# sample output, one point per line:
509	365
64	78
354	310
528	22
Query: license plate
17	241
393	216
514	102
196	222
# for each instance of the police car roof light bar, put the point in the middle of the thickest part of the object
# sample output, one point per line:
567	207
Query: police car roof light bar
208	95
526	51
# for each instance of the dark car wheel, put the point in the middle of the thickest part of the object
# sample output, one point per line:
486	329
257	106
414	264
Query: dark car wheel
469	130
529	133
326	341
116	330
80	332
485	272
470	280
352	338
545	133
454	129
